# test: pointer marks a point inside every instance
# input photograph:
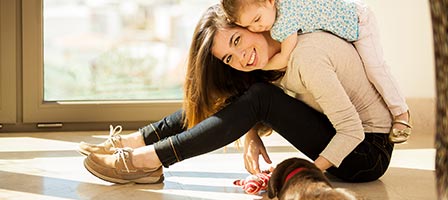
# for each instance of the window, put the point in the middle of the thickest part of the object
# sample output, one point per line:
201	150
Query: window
116	50
104	61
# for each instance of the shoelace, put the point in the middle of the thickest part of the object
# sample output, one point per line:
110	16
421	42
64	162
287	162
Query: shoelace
114	132
120	153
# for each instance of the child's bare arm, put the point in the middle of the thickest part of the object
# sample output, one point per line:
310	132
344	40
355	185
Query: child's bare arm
280	60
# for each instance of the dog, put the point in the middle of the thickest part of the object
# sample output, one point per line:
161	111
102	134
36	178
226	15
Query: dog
297	178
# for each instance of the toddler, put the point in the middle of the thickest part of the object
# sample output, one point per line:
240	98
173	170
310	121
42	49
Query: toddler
351	20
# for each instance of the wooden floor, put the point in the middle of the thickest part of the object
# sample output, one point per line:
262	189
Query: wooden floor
46	166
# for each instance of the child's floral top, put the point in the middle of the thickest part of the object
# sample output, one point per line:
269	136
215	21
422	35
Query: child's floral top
336	16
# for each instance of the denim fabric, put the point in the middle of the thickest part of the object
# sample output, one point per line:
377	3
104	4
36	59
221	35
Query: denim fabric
168	126
368	161
307	129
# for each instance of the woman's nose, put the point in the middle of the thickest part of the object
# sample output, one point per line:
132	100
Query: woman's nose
239	56
242	55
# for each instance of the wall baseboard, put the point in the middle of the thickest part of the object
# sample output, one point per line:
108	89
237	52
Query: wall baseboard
423	115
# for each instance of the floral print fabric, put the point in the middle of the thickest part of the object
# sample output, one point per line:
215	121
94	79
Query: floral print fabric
336	16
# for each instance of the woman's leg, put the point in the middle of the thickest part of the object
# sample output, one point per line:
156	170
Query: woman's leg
307	129
168	126
368	161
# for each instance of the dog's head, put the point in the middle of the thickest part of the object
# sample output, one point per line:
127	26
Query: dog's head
294	171
297	178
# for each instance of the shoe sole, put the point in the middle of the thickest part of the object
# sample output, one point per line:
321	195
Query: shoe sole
87	153
143	180
82	152
398	141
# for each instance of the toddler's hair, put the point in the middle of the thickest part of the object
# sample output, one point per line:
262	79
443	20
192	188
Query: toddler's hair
232	8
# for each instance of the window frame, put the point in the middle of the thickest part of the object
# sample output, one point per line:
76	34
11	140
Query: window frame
36	110
8	62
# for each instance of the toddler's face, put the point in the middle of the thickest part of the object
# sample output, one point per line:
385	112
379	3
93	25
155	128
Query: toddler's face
257	17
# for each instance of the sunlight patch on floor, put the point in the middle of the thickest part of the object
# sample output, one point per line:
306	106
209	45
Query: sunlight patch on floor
206	195
51	168
200	181
17	144
15	195
423	159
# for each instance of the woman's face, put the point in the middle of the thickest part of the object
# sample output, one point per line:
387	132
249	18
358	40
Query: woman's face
241	49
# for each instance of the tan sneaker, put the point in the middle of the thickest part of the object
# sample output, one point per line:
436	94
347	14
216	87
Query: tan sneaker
118	168
107	147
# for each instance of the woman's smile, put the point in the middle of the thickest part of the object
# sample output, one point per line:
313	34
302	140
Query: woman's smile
251	61
252	58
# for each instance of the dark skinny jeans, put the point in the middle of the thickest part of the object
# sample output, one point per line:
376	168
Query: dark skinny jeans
307	129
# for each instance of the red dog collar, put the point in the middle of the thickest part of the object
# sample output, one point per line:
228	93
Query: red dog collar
293	172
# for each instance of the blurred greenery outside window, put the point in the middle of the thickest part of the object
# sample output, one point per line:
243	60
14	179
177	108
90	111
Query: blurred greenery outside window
117	50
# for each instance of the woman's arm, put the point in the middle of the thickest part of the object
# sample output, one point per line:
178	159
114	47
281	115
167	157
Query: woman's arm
317	65
322	163
253	147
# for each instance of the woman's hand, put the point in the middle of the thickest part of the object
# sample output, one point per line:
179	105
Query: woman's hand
322	163
253	147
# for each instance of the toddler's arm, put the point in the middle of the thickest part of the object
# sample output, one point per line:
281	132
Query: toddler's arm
280	60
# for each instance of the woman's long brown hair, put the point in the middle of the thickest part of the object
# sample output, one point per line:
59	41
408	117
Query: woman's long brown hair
209	83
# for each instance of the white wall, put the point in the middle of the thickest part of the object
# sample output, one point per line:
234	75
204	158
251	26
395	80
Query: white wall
406	34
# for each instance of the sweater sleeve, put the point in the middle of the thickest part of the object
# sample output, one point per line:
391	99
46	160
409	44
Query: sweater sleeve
319	77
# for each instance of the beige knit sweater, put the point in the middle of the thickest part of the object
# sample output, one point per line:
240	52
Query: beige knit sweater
327	73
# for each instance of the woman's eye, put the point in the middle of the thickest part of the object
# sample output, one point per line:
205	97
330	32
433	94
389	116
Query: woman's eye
228	59
257	20
236	41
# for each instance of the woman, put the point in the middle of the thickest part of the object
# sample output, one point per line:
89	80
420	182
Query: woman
343	126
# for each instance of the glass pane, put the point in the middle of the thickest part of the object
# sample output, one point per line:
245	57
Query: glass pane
117	50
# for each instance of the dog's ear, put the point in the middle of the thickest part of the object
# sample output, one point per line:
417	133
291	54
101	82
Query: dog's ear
275	183
272	186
